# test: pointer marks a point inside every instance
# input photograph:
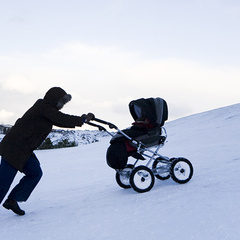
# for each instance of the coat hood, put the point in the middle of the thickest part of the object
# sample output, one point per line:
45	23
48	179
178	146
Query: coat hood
57	97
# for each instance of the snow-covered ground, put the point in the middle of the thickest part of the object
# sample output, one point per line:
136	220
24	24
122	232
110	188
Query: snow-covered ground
78	136
78	197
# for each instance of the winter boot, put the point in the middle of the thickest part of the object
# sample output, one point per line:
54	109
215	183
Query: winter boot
13	205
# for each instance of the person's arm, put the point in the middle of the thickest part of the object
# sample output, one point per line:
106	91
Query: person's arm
63	120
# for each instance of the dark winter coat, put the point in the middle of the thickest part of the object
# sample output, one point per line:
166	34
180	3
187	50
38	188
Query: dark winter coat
29	131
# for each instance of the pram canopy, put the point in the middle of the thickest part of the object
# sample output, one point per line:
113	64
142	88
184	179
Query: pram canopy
154	109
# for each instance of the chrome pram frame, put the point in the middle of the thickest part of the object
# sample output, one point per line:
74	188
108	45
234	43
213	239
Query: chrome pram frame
142	177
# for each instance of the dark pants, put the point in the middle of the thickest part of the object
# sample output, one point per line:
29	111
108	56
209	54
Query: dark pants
24	188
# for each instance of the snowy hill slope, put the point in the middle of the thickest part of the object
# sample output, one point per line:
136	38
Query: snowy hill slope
78	197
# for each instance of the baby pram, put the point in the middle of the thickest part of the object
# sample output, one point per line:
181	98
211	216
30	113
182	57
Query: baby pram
142	142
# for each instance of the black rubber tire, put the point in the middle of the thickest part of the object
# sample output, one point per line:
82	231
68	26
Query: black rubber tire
181	170
165	176
142	179
121	180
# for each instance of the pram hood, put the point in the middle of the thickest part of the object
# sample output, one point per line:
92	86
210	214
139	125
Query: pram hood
154	109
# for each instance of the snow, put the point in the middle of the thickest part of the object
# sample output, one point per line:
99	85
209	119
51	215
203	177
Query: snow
78	136
78	197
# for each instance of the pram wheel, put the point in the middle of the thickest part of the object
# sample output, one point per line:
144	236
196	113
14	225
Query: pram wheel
161	169
181	170
142	179
122	176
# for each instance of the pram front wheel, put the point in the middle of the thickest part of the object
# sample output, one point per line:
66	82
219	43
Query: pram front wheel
142	179
122	176
161	169
181	170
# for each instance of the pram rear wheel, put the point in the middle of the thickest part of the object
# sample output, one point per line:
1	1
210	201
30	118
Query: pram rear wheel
142	179
122	176
181	170
161	169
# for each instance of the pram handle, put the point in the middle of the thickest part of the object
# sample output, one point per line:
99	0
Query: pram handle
112	126
106	123
101	128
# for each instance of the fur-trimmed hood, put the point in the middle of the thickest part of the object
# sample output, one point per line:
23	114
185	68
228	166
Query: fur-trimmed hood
57	97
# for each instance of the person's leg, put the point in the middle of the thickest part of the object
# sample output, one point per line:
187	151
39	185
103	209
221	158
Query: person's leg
24	188
7	174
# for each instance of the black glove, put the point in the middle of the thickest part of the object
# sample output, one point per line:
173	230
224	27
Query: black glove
89	117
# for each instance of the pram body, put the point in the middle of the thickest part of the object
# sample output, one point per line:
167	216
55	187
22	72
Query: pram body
142	141
149	115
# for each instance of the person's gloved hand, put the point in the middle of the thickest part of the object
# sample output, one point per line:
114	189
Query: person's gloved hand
89	117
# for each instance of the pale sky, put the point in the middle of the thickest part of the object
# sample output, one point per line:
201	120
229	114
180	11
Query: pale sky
106	53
